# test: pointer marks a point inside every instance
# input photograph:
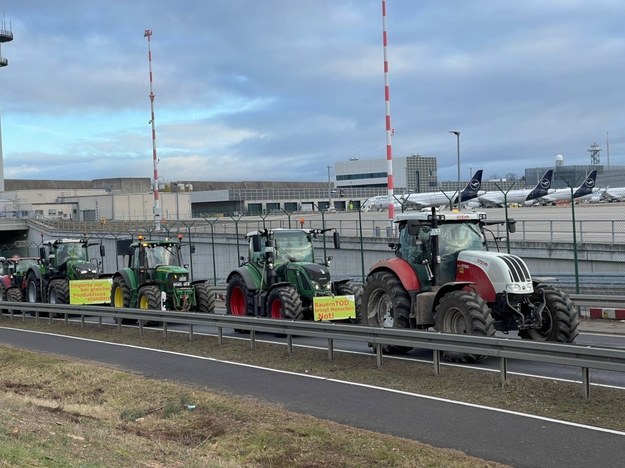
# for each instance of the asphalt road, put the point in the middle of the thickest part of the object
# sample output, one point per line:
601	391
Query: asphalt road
514	439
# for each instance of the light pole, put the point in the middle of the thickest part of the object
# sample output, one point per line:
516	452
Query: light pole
457	133
329	189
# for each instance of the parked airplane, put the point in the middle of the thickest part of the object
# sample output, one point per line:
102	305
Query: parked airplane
379	203
496	198
429	199
613	194
584	191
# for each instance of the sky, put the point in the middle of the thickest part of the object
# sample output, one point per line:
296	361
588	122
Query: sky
277	90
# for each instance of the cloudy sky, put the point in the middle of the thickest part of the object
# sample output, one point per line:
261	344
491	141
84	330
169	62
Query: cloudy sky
280	89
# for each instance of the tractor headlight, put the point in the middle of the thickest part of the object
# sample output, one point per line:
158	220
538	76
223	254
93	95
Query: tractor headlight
513	288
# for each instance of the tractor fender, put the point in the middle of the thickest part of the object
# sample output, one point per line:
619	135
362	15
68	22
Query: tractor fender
34	271
129	278
448	287
402	269
247	277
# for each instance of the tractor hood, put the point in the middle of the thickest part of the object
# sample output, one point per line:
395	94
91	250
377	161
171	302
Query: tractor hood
81	269
174	274
317	273
507	273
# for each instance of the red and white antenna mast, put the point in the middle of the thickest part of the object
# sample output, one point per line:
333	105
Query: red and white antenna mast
389	129
157	201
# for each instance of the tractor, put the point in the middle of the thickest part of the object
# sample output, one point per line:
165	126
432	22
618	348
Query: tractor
13	276
443	276
156	279
280	279
64	264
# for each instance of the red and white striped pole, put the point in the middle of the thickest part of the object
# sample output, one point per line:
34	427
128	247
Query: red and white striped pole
157	202
389	129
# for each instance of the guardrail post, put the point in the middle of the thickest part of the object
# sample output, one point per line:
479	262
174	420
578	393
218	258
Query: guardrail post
252	340
65	318
165	330
99	321
140	327
50	316
585	383
378	355
436	359
82	321
220	335
119	324
289	344
37	316
503	371
330	349
190	332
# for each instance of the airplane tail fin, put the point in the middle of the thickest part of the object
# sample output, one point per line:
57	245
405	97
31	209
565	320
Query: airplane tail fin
472	189
587	187
542	187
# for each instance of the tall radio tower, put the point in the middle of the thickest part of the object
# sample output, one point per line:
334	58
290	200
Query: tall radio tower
157	202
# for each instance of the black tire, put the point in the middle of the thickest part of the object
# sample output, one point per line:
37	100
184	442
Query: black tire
239	299
386	304
463	312
284	303
58	291
33	292
204	298
349	289
150	298
120	297
560	319
14	295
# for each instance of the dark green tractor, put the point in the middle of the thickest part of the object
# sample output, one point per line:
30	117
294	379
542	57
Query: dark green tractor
280	279
64	264
156	279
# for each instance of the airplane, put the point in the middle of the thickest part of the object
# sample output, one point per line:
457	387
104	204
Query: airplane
379	203
496	198
583	192
613	194
429	199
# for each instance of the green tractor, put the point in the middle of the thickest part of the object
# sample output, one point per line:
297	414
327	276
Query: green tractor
65	266
156	279
281	280
13	272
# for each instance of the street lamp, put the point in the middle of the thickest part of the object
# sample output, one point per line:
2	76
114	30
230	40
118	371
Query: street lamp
457	133
329	189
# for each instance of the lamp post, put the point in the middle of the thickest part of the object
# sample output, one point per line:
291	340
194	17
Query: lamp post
457	133
329	189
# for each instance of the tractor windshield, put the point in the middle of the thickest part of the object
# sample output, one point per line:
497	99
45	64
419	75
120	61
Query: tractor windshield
455	237
73	251
161	255
293	246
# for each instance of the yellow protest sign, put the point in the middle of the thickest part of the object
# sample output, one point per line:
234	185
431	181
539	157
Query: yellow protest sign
95	291
334	308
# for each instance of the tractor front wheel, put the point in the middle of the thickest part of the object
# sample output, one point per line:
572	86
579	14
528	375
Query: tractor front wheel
348	289
58	291
239	299
204	298
463	312
560	319
120	297
33	293
150	299
284	303
386	304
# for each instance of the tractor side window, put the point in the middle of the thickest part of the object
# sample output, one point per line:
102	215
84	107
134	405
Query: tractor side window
256	256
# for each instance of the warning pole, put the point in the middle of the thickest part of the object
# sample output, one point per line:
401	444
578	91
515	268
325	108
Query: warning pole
389	128
157	201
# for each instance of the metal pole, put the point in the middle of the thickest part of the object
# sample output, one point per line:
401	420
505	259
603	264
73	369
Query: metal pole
157	202
389	129
329	189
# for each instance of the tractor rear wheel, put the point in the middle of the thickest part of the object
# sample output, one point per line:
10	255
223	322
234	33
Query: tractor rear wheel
33	294
560	319
150	298
204	298
120	297
284	303
239	299
386	304
58	291
463	312
14	295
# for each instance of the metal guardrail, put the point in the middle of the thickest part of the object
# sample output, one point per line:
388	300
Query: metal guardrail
585	357
594	300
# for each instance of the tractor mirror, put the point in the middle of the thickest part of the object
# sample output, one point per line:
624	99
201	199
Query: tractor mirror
511	226
102	251
337	240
